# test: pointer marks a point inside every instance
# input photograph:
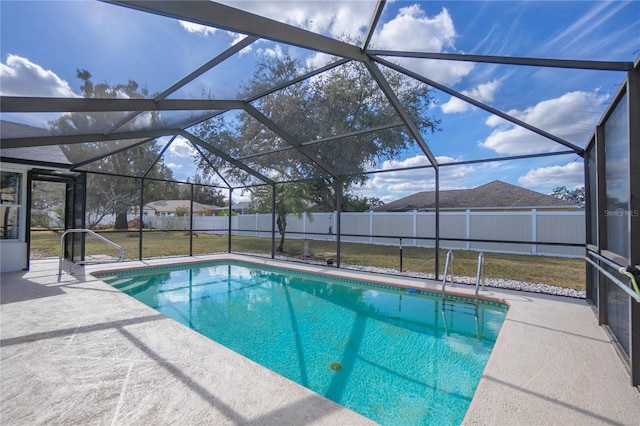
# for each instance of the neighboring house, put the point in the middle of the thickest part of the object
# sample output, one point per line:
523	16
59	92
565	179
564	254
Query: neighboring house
496	196
238	208
168	208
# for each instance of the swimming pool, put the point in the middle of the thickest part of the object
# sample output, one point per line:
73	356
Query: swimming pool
393	356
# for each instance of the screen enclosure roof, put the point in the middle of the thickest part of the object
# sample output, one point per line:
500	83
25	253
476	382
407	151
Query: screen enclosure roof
191	80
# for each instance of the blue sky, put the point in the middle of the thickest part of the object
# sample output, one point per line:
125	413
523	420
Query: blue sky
43	43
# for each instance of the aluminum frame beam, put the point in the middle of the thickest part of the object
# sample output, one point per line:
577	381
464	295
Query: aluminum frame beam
402	112
507	60
479	104
373	24
229	159
462	163
255	113
225	17
197	148
44	104
90	137
192	76
158	157
327	139
100	157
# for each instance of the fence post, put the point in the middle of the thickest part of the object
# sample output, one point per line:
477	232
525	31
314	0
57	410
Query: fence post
534	231
370	226
415	226
304	225
467	231
257	224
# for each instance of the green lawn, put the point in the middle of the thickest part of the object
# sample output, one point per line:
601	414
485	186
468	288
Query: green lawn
556	271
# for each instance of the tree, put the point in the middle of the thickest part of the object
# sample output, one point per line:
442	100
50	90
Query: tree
360	204
181	211
114	194
344	100
575	196
47	204
204	191
291	198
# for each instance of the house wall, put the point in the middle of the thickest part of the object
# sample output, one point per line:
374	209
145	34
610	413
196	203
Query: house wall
13	253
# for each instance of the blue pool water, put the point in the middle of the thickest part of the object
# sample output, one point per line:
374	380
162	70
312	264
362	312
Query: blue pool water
394	356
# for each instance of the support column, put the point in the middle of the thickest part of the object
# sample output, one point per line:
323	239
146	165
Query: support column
633	96
437	242
273	221
601	200
191	220
229	223
141	216
338	220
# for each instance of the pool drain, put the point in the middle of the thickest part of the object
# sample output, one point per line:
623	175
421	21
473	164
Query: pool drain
335	365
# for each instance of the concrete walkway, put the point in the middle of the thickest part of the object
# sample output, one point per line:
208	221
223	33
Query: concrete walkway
78	351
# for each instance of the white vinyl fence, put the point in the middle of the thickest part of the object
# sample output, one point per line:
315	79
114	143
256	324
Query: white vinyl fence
415	229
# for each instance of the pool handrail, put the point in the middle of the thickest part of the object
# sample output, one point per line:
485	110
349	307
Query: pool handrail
448	262
624	287
84	231
479	275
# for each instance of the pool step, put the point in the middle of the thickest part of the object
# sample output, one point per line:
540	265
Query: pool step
121	282
464	308
129	284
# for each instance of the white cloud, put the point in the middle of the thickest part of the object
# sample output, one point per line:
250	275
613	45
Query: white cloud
572	116
570	175
430	34
333	18
209	31
236	38
483	93
174	166
318	60
389	186
413	30
198	29
181	147
21	77
275	52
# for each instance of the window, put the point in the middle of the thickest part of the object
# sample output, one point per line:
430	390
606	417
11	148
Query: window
10	205
616	152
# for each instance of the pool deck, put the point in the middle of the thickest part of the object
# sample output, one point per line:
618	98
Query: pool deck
77	351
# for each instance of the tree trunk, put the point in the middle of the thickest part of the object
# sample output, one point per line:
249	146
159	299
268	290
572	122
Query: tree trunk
282	227
121	221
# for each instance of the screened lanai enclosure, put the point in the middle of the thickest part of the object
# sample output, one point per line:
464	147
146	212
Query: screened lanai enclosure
283	128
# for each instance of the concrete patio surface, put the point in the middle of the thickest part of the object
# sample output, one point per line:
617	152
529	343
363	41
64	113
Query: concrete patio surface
77	351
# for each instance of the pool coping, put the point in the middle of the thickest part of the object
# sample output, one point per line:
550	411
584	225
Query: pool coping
392	282
77	350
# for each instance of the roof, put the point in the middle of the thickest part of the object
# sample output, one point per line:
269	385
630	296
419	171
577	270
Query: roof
37	154
241	205
494	194
170	206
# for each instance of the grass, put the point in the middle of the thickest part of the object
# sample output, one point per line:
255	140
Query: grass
558	271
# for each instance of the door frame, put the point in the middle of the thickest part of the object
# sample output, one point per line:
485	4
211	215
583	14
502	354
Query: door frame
74	208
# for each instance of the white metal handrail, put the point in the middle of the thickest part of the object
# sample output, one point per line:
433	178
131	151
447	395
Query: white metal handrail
84	231
606	273
448	262
479	275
